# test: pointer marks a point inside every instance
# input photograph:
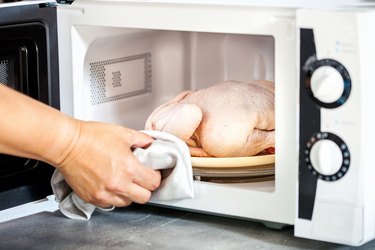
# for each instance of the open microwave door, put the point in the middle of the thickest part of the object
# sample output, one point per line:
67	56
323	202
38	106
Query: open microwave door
28	64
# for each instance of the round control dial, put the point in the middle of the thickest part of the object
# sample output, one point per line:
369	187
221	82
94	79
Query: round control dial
328	82
327	156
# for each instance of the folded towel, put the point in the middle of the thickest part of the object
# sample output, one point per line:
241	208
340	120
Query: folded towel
167	153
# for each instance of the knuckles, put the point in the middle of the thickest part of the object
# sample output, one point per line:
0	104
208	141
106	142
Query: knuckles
99	196
115	185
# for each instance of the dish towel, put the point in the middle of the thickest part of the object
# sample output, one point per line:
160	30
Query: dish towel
167	153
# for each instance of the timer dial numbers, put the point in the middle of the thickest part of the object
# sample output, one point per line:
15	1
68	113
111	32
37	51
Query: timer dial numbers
327	156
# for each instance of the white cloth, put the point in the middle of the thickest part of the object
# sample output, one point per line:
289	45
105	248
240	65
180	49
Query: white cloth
167	153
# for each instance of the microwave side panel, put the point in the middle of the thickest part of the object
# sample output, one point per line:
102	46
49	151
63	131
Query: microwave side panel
176	28
367	53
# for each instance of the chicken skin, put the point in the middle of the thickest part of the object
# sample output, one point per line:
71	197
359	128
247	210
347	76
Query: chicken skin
228	119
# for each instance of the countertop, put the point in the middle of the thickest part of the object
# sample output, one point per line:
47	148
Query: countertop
149	227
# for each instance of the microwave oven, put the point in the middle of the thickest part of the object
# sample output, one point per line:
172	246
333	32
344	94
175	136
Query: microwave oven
120	59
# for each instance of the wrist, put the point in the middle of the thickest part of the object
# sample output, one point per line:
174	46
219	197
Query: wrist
65	142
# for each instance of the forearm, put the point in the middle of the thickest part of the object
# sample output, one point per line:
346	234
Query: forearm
95	158
31	129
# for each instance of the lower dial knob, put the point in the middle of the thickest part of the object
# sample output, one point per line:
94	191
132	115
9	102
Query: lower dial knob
327	156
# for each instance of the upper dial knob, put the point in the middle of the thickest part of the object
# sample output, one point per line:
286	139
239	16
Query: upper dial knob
327	84
326	157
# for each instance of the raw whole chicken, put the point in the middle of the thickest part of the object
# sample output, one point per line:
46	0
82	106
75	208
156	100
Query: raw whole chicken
229	119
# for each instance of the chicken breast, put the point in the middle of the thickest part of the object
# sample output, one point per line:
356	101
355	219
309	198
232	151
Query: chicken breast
228	119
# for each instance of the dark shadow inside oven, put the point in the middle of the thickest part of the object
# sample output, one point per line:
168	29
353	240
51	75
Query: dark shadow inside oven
24	67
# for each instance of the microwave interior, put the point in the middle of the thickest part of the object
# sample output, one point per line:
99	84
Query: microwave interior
128	72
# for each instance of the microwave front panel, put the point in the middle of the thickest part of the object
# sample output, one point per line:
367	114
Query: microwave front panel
183	46
333	200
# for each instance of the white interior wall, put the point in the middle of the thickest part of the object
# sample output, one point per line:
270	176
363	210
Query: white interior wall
179	61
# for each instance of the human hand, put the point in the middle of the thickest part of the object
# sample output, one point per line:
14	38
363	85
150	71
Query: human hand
95	158
101	168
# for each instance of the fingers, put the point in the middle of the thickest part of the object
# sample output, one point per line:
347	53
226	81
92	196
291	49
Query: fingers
142	175
133	193
133	183
136	193
117	178
120	196
114	200
147	178
138	139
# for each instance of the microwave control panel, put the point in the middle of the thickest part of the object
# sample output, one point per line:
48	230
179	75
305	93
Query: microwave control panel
336	173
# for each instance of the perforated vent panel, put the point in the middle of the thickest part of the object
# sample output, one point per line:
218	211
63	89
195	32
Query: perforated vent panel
7	72
120	78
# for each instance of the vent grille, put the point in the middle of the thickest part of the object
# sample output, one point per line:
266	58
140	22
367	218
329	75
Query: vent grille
7	71
120	78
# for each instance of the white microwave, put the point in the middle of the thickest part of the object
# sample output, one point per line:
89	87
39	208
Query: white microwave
120	59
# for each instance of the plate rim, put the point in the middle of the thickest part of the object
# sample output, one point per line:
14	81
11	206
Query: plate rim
228	162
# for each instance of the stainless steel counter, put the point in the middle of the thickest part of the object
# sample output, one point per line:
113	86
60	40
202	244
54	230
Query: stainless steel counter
148	227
